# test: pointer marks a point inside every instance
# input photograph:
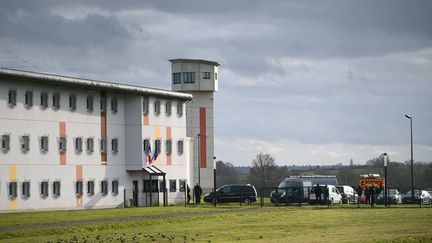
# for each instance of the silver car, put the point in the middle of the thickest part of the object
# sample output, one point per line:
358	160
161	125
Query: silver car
394	197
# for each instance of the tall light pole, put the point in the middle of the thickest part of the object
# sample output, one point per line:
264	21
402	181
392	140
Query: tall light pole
386	159
199	158
412	160
214	180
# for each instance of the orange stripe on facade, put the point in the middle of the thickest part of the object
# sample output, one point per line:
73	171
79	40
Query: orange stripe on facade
62	133
203	137
168	137
79	177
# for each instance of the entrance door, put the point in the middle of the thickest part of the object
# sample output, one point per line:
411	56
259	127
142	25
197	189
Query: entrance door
135	192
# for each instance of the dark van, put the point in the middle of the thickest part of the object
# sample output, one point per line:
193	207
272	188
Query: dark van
233	193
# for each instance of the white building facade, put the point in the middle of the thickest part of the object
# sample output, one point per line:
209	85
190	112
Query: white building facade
71	143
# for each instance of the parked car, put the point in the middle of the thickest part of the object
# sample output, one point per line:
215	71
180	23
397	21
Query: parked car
394	197
348	194
333	197
296	189
233	193
419	196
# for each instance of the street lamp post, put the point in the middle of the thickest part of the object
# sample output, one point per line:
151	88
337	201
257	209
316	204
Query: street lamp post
214	180
412	160
385	179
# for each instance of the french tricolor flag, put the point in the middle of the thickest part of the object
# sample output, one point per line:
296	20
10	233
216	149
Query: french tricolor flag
149	157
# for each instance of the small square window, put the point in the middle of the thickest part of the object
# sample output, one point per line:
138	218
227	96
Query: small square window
78	188
56	101
25	186
90	188
89	103
12	97
114	105
5	142
25	143
56	188
44	100
168	146
90	145
44	188
114	145
176	78
114	187
44	143
179	108
180	147
189	77
78	144
182	184
104	187
72	102
157	107
173	185
206	75
62	144
28	99
12	193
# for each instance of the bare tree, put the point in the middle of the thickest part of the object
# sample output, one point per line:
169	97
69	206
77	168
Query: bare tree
265	172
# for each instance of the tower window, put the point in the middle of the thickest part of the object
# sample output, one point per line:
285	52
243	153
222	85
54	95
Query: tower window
28	99
180	147
179	109
104	187
90	145
12	189
5	142
189	77
206	75
168	108
79	188
12	97
114	145
25	189
168	147
78	144
72	102
56	101
157	107
90	188
44	100
114	105
56	188
89	103
44	188
147	145
62	144
44	143
145	105
176	78
25	143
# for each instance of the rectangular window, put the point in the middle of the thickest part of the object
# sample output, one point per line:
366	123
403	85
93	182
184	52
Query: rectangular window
56	188
179	108
157	107
90	188
12	97
182	184
90	145
168	145
25	143
150	187
114	145
44	100
176	78
44	188
189	77
5	142
104	187
78	188
161	186
180	147
114	105
146	143
25	186
168	108
56	101
173	185
72	102
114	187
103	145
44	143
89	103
28	99
13	189
62	144
206	75
103	104
78	144
145	105
157	146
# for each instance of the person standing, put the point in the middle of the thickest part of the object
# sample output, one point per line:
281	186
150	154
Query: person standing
326	194
318	192
197	192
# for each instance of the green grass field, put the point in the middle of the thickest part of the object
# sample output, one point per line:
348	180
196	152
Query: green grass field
225	223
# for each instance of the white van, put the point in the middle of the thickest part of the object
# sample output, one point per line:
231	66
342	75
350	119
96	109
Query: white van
333	197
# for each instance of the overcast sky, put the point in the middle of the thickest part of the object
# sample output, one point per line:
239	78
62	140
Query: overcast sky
310	82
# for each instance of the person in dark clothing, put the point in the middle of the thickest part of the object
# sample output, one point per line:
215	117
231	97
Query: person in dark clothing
318	192
188	194
372	196
197	192
367	195
326	194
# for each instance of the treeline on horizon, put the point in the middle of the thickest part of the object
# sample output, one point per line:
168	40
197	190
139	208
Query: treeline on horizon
268	174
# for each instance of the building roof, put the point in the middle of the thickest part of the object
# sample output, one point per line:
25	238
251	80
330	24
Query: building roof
195	61
46	78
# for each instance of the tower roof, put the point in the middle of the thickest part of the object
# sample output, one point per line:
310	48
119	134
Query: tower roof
195	61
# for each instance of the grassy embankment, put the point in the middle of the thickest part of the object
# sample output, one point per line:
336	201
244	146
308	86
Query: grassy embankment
222	224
